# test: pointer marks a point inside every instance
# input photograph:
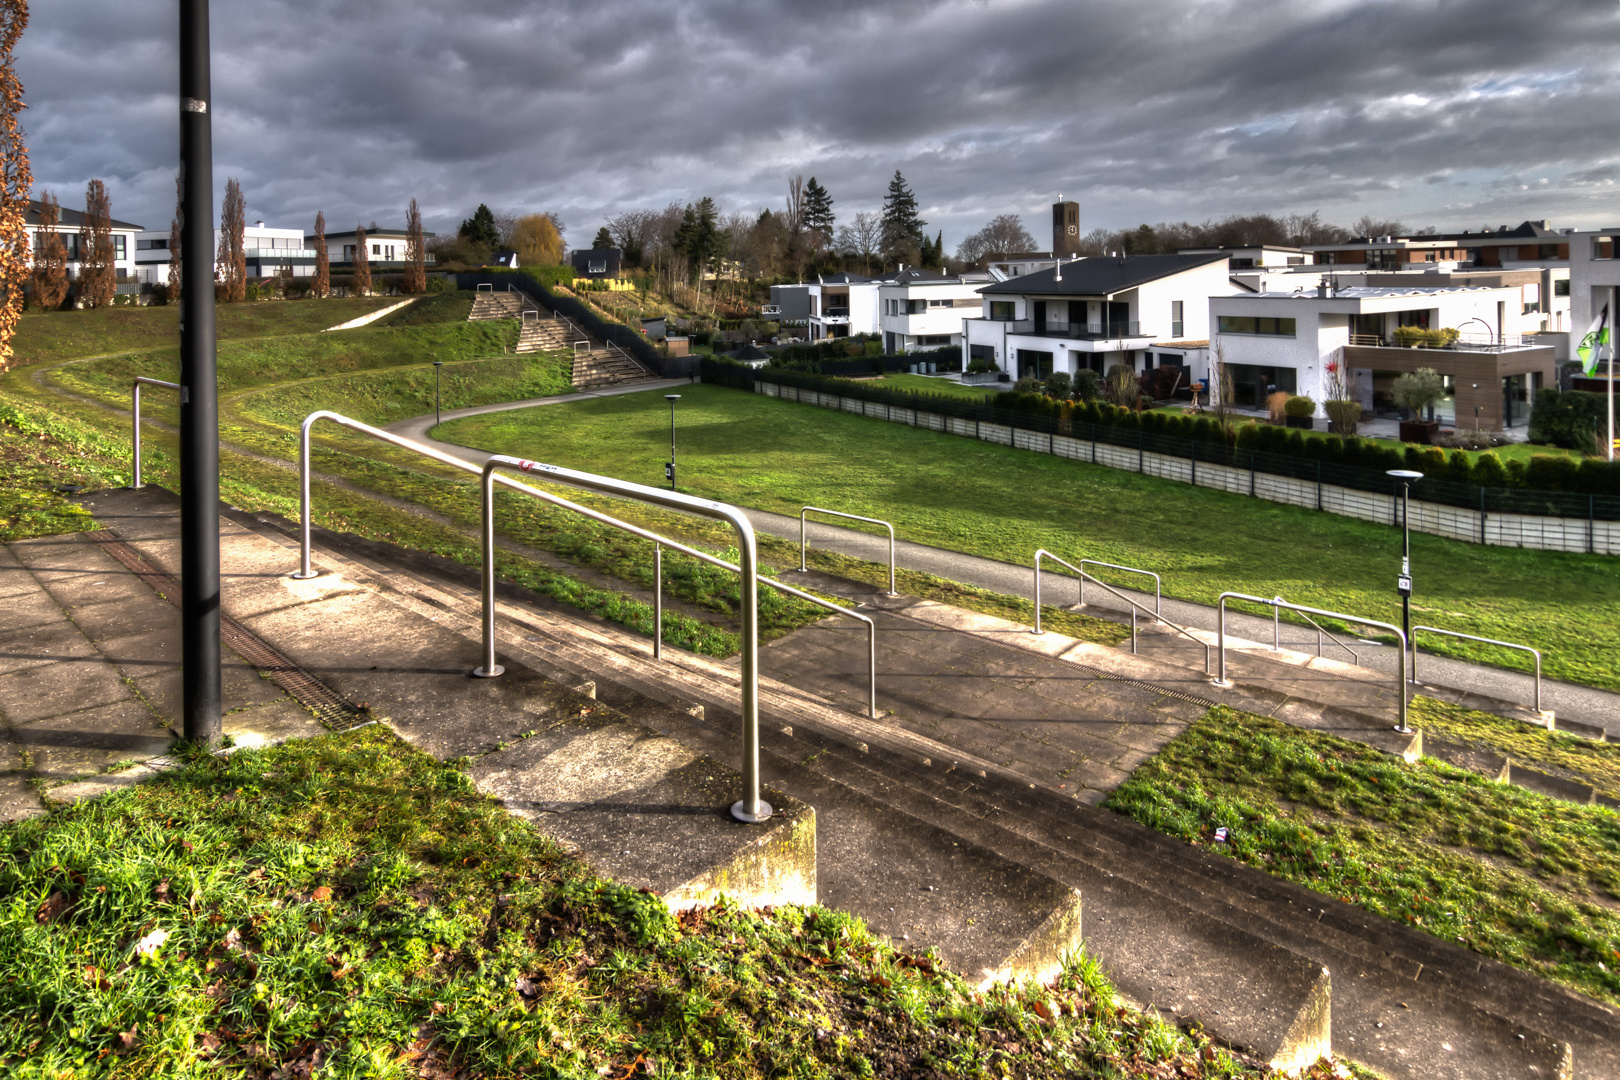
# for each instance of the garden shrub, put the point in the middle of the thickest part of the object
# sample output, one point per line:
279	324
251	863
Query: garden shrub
1087	386
1300	405
1549	472
1599	477
1459	469
1488	470
1294	443
1248	436
1566	418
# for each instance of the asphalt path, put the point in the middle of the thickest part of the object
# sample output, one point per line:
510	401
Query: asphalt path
1568	700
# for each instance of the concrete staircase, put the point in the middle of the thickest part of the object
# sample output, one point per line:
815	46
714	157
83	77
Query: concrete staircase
547	335
933	845
499	305
606	367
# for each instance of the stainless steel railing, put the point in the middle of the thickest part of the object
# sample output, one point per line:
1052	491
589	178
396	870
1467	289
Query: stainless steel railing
1483	640
1276	633
804	569
1400	667
140	381
1042	553
1158	585
750	684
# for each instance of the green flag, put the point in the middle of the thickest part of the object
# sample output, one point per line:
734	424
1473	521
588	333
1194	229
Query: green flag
1596	340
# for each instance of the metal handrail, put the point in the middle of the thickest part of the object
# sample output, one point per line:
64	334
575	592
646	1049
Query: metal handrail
805	569
1484	640
659	541
1182	630
1158	584
1276	634
140	381
488	286
526	303
1400	667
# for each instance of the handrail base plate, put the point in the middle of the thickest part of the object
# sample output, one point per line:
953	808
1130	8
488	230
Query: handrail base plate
739	812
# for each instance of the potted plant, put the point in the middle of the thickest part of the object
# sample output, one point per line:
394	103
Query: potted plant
1298	411
1343	410
1416	392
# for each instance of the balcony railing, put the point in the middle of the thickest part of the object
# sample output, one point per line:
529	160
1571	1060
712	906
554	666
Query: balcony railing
1098	331
1473	342
280	253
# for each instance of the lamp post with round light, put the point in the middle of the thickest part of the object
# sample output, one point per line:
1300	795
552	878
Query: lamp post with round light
669	470
1403	584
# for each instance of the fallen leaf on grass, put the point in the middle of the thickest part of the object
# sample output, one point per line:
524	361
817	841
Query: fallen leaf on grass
52	908
152	942
321	894
127	1039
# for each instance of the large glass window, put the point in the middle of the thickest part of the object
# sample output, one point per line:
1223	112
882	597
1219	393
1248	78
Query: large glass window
1002	310
1175	318
1256	324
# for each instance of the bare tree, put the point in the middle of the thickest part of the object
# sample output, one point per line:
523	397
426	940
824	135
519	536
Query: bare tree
16	178
50	264
630	231
562	230
1004	235
862	236
415	278
1367	225
323	259
97	283
362	263
1099	242
172	289
505	228
231	259
1221	392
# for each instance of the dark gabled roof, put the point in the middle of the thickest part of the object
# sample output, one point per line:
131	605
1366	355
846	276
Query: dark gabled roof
750	352
71	220
1101	276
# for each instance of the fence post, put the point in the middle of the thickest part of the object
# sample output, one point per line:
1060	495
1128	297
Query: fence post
1395	504
1482	515
1591	524
1319	485
1139	459
1194	445
1251	474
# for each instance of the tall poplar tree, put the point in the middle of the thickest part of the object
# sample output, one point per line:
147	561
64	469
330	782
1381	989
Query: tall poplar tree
97	281
415	278
232	255
16	178
362	263
50	261
176	271
323	259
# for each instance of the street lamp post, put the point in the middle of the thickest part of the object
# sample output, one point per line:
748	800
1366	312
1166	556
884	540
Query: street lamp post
438	366
1403	584
669	470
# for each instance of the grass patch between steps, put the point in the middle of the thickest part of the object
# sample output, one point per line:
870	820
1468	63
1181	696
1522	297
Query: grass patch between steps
1517	876
1560	753
348	906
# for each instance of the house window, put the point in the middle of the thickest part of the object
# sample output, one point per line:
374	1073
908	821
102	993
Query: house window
1296	260
934	339
892	307
1561	287
151	245
1602	247
376	249
916	307
1175	318
596	267
118	246
348	252
1253	324
1002	310
1383	259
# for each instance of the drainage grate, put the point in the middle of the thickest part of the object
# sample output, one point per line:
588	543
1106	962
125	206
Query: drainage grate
1179	695
330	708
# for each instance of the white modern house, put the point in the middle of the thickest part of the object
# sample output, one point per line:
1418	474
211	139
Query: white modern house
924	309
1594	280
841	305
1260	257
270	253
387	249
1095	313
1286	341
124	236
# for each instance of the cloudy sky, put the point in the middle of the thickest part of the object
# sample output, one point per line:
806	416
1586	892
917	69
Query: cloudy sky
1456	113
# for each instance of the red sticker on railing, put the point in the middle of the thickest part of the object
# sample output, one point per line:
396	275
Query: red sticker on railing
525	465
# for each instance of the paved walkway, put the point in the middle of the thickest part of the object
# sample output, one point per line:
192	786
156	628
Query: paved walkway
1570	701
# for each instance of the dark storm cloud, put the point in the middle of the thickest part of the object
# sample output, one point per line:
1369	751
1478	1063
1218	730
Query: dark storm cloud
1439	111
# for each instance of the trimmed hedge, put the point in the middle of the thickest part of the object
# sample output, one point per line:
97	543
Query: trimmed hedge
1567	418
1553	485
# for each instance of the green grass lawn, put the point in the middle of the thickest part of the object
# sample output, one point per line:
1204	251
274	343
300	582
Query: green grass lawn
59	335
1523	878
349	907
1001	503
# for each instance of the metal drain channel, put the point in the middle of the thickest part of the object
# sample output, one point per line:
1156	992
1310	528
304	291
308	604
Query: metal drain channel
329	707
1180	695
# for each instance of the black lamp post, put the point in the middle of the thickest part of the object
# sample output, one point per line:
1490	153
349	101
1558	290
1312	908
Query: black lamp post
438	366
669	470
200	691
1403	584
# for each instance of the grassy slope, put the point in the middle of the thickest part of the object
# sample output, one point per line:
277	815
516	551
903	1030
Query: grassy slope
349	905
1003	504
64	334
1526	879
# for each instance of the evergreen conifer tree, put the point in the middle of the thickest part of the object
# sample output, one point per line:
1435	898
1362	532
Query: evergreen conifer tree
902	227
604	239
818	214
480	229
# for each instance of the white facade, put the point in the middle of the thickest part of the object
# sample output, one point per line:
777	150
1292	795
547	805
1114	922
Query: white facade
1594	279
270	253
1287	340
1037	332
123	240
841	306
928	313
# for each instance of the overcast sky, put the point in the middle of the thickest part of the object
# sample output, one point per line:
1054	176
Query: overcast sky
1456	113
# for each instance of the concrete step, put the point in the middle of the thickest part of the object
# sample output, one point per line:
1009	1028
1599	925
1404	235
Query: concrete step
637	805
498	305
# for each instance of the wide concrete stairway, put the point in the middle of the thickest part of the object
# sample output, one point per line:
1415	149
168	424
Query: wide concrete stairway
606	367
931	843
499	305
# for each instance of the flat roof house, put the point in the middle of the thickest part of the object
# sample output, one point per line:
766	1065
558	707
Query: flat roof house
387	246
1094	313
270	253
841	305
924	309
1533	243
1594	280
1285	341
